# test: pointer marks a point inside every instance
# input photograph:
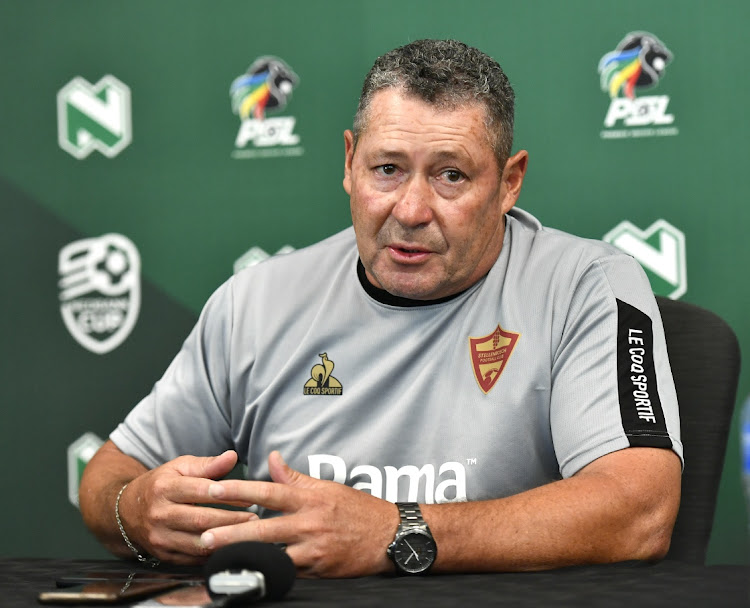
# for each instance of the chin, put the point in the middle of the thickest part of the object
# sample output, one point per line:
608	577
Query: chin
412	291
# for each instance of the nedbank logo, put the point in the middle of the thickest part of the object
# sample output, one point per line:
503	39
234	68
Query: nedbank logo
255	255
94	117
79	454
660	250
100	290
637	64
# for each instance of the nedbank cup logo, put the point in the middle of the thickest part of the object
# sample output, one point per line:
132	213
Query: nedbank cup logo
100	290
637	64
94	117
265	87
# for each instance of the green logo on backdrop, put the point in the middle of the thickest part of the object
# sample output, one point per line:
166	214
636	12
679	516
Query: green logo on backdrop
255	255
660	250
79	454
94	117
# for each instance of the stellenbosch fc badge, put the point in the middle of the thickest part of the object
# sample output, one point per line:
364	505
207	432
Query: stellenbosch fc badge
94	117
100	290
636	64
321	381
265	87
490	354
660	250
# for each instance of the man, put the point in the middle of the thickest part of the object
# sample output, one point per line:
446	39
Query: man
448	351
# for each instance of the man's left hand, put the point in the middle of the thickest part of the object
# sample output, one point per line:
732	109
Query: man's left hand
331	530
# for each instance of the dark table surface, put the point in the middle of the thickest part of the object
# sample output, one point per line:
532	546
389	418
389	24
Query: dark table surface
632	585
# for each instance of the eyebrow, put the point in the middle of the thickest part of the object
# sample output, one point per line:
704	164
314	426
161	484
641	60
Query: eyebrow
434	157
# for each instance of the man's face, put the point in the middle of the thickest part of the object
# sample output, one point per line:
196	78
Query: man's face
427	196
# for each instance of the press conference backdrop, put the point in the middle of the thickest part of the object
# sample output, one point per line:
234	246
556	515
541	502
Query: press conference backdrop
147	149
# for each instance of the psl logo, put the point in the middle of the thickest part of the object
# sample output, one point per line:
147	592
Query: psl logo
100	290
265	87
660	250
637	63
94	117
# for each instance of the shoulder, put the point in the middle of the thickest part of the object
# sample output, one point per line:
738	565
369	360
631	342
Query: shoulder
299	276
562	264
315	258
530	235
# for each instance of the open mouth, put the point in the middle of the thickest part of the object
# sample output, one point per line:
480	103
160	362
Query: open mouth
408	254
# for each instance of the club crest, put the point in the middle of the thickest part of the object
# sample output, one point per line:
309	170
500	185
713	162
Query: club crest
490	354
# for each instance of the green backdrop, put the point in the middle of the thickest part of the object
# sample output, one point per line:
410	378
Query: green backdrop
152	154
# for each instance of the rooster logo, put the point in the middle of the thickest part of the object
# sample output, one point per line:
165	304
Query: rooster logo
638	62
321	381
267	85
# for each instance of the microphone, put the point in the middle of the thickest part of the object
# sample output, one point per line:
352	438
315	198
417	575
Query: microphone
248	571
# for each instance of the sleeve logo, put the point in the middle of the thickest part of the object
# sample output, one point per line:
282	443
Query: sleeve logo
490	354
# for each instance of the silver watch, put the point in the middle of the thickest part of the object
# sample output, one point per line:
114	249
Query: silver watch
413	551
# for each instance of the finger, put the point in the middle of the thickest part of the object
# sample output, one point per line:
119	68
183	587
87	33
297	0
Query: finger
274	530
179	547
209	467
195	520
282	473
274	496
185	490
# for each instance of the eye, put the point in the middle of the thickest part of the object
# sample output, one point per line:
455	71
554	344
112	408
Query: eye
453	175
386	169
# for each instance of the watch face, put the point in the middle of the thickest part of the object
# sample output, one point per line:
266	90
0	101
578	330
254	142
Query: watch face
414	552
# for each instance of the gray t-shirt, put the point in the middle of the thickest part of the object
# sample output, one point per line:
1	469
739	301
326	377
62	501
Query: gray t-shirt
554	359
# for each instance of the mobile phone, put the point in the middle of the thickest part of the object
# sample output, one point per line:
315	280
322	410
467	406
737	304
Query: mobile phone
81	578
107	592
193	596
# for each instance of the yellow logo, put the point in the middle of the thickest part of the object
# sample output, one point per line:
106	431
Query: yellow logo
321	382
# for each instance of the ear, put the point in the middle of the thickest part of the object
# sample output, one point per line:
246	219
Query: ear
513	174
348	156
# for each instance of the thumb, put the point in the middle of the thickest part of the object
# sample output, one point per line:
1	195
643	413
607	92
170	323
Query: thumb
281	472
209	467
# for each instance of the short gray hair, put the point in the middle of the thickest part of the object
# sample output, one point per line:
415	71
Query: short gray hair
447	74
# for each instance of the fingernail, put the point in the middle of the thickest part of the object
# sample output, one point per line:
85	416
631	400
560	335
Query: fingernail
216	490
207	540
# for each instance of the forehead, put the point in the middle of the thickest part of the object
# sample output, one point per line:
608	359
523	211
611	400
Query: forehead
408	124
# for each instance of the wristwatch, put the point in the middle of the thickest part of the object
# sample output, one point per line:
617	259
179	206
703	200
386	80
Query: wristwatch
413	551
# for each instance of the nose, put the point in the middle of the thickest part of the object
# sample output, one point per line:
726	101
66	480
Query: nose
414	206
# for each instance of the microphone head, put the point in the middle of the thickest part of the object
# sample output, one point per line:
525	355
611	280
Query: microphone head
275	565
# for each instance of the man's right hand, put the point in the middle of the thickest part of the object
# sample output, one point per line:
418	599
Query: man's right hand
160	509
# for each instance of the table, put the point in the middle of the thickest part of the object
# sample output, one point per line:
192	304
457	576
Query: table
628	585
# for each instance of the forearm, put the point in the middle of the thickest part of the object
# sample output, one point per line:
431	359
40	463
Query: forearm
589	518
105	475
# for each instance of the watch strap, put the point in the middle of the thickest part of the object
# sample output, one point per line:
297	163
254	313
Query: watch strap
411	515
